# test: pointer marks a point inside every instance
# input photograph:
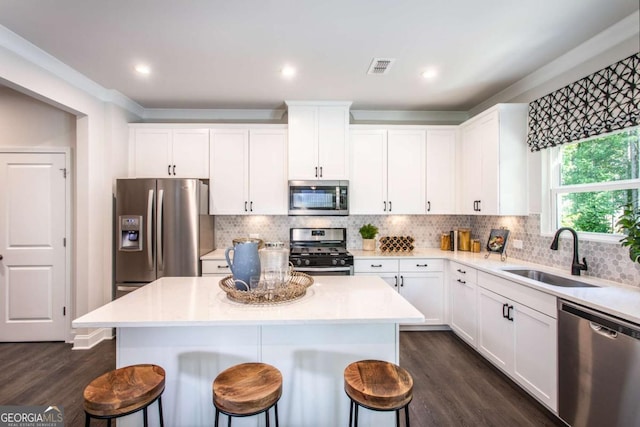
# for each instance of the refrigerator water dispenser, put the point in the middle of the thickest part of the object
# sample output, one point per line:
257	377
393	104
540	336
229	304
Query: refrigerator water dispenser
130	232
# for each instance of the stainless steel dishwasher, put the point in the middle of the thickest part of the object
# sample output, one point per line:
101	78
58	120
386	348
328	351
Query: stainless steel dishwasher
598	368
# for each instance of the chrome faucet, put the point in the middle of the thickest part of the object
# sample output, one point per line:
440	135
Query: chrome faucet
576	266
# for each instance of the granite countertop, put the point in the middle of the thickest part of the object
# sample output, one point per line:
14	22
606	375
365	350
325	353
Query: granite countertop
199	301
619	300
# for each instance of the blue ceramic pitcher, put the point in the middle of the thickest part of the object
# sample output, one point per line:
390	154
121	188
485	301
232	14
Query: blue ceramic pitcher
245	265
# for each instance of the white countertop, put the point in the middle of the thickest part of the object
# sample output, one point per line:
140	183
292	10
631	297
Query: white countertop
610	297
199	301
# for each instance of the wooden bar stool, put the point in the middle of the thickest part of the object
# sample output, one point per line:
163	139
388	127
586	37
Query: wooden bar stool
124	391
247	389
378	385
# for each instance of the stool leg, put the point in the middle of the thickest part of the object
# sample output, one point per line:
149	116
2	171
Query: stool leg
144	417
87	420
109	422
356	416
397	417
160	411
229	423
217	418
266	414
406	415
350	412
277	424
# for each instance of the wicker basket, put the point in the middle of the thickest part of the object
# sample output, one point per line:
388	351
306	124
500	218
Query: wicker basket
295	288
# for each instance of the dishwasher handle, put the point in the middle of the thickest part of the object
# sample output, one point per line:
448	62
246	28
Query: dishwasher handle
601	323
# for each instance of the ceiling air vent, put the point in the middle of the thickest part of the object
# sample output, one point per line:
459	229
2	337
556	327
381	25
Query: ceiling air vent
380	65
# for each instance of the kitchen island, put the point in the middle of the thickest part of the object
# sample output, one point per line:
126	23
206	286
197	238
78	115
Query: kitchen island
189	327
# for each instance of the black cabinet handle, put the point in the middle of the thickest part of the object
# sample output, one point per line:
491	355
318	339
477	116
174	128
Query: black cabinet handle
462	271
245	206
401	280
505	310
376	265
316	171
174	169
509	313
385	206
390	206
428	206
422	265
223	266
396	279
462	281
169	170
251	206
320	171
479	209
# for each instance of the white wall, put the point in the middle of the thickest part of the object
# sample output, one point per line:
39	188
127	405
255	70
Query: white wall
98	128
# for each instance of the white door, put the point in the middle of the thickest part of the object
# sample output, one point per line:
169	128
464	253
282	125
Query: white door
190	153
495	331
368	182
32	269
303	143
441	172
406	176
425	291
228	171
333	125
268	189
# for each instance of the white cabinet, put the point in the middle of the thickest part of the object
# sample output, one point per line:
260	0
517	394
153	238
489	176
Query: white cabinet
419	280
248	171
493	162
387	171
318	140
215	268
441	170
169	152
517	332
462	292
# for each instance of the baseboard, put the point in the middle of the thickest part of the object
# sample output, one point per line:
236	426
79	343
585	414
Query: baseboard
95	336
425	328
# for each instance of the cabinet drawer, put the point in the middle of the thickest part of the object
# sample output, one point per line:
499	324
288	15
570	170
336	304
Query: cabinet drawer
215	266
373	265
463	272
421	264
532	298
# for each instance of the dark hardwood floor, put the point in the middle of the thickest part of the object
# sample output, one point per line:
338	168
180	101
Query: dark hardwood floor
52	374
453	385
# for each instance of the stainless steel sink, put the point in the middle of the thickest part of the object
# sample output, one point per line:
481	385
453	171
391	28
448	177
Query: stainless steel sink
549	279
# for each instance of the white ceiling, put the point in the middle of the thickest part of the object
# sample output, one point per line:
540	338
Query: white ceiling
227	54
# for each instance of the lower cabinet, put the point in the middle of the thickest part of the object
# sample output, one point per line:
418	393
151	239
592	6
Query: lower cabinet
419	280
215	268
517	332
462	291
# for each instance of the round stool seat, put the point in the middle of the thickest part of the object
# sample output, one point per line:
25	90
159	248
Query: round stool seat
378	385
124	390
247	388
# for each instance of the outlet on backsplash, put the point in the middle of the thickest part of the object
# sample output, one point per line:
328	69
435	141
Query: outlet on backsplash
517	244
254	235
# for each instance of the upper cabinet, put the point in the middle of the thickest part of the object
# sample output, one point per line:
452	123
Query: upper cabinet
493	162
441	170
387	171
318	140
162	152
248	171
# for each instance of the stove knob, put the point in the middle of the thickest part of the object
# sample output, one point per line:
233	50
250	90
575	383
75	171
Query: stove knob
342	262
334	261
306	262
298	261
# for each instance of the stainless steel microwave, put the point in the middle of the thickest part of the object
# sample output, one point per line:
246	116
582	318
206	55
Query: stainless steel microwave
318	197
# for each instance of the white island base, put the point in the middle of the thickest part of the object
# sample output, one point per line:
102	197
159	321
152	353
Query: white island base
193	332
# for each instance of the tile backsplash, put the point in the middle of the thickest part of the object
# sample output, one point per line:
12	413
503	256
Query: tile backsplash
606	261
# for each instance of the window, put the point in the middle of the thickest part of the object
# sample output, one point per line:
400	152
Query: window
592	179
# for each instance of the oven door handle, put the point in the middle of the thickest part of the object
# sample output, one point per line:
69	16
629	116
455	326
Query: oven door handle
321	269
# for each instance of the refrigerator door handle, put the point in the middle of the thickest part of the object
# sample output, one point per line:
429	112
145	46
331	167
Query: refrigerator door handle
159	228
150	229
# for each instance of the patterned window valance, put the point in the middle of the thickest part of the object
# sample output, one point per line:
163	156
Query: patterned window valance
602	102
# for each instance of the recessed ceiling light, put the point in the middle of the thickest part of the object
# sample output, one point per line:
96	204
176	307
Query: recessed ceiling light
429	73
288	71
143	69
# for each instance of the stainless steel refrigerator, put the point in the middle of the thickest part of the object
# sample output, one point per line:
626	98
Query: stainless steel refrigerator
162	227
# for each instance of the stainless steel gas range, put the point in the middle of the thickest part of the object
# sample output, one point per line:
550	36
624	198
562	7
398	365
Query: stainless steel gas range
320	251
